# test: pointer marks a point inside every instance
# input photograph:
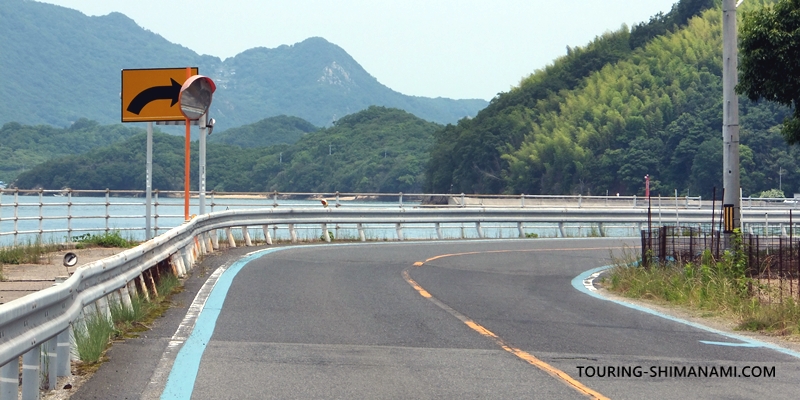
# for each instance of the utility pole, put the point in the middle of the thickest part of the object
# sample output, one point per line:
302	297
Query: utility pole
731	201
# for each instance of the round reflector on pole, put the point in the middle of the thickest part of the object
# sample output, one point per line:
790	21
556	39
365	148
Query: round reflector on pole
195	96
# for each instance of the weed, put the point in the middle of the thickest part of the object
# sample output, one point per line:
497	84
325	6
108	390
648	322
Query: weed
715	287
92	341
531	235
108	239
30	253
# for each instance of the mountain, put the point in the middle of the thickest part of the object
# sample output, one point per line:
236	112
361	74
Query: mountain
374	150
61	65
267	132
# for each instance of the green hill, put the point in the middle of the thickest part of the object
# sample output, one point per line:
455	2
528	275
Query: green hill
375	150
23	147
60	65
603	116
267	132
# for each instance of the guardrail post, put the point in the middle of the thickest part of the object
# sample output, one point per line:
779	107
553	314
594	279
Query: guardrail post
134	293
580	201
462	200
9	380
522	200
275	198
208	242
479	229
214	239
231	241
292	233
143	285
439	231
561	229
600	228
401	199
337	200
125	294
634	201
246	234
463	232
520	230
361	235
102	307
267	237
399	229
62	353
50	363
325	235
30	373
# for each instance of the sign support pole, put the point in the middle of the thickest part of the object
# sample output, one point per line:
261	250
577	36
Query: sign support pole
202	174
149	184
187	163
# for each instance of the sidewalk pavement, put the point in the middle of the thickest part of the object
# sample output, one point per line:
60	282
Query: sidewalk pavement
20	280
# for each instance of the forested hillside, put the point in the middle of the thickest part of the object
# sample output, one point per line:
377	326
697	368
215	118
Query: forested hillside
22	146
375	150
267	132
628	104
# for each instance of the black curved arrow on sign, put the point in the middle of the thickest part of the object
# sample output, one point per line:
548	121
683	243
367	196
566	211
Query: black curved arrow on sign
154	93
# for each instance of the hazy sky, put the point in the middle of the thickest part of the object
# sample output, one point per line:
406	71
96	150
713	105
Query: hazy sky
433	48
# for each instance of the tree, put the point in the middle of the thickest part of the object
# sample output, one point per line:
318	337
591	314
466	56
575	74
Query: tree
769	69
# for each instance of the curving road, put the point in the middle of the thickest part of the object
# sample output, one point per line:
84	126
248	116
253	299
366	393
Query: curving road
456	319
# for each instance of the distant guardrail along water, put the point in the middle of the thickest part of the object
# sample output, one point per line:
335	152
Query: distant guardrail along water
36	328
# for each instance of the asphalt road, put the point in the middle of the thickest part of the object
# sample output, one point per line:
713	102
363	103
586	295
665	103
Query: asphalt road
472	319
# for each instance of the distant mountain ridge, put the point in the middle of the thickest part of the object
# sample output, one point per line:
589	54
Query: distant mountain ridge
60	65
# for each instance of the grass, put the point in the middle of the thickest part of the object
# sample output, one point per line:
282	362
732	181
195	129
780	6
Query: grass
30	253
713	287
94	335
107	239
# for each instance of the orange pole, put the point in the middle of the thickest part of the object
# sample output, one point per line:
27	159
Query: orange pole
186	163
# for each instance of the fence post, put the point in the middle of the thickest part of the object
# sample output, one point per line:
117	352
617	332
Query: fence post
16	215
41	216
108	204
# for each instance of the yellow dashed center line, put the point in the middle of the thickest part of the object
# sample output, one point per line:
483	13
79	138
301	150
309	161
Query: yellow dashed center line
523	355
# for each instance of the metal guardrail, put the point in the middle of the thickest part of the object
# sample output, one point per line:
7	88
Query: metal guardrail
43	320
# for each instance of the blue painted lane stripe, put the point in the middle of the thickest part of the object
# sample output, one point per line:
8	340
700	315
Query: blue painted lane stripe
577	283
180	383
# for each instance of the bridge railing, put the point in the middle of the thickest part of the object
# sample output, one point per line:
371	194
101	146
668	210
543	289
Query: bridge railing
60	215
